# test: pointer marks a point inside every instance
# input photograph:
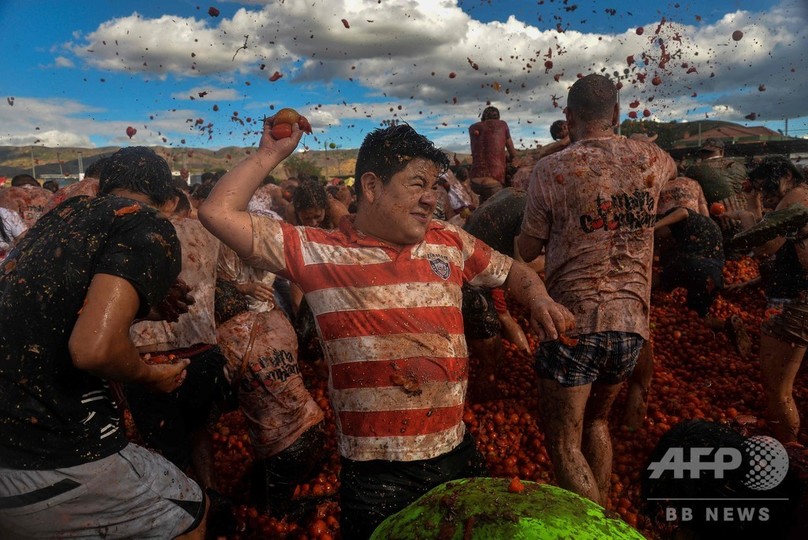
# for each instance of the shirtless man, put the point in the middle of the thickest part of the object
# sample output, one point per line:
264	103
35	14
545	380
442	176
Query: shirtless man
490	140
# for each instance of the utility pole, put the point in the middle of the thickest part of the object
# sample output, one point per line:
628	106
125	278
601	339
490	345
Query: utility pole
33	163
786	127
325	146
81	166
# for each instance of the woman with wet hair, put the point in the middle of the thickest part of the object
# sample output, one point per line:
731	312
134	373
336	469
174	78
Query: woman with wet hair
783	337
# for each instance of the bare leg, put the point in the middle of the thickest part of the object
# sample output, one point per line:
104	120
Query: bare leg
779	363
597	443
638	387
562	412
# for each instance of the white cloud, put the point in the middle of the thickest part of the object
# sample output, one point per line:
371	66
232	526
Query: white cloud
52	139
207	94
410	48
63	62
403	55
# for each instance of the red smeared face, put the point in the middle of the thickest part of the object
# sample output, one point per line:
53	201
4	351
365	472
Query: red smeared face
402	209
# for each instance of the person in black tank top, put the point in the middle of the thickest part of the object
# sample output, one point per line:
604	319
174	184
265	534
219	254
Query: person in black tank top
783	337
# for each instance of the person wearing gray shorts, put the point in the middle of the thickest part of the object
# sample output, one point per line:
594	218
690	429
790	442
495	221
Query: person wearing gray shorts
69	292
134	493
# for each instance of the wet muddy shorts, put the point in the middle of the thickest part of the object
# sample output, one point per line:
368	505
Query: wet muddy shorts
602	357
133	493
480	319
790	325
370	491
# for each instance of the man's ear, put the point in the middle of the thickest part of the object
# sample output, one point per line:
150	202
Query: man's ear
570	117
371	184
170	206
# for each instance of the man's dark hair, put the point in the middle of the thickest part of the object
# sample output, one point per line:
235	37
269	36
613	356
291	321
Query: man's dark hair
490	113
24	179
51	185
461	172
556	128
387	151
200	192
183	202
94	169
309	194
766	176
138	169
180	183
592	98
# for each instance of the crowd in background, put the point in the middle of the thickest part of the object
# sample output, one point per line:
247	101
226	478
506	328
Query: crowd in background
178	303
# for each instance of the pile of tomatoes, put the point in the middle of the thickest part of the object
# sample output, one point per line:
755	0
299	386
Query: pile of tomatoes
697	374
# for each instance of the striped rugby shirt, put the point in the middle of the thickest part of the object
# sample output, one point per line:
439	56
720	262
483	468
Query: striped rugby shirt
391	327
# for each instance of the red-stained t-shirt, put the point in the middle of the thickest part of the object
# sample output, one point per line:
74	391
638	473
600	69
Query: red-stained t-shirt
87	186
200	252
272	394
683	192
595	204
28	201
391	327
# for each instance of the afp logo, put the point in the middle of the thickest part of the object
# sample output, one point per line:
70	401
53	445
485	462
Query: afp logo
764	459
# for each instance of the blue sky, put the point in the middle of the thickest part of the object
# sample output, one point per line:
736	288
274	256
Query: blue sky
184	75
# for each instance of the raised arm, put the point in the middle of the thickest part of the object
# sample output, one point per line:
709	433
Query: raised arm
224	212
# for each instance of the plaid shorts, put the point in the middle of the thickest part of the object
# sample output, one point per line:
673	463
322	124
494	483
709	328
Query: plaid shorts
603	357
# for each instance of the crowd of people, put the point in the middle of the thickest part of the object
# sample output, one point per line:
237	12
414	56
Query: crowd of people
132	291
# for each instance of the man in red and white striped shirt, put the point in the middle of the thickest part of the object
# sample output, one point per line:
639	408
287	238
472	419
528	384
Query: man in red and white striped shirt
385	289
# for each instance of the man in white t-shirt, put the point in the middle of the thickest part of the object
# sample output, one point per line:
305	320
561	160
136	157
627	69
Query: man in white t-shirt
593	206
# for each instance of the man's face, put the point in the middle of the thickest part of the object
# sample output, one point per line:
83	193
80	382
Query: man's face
404	205
311	217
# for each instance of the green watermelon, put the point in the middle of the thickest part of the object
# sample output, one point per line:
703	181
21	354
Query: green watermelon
484	509
784	222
